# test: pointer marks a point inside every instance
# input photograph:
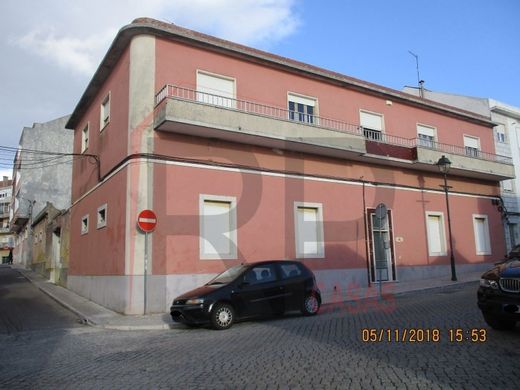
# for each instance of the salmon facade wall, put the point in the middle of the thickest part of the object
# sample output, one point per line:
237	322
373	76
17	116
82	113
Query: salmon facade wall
265	214
101	251
109	143
270	86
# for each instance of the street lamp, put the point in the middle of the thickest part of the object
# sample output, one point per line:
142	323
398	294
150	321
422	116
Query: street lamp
444	165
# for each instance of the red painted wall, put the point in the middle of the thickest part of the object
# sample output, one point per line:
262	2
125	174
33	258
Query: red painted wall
100	251
270	86
111	144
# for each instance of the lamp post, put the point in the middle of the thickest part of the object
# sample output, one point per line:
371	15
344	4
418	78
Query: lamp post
444	165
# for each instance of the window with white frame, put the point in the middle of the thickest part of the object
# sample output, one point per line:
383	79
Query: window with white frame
308	228
507	185
471	146
481	229
84	138
500	133
218	227
84	224
436	233
372	124
301	108
102	216
426	136
105	112
216	89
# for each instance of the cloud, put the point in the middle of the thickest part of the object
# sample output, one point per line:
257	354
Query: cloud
79	54
81	34
247	21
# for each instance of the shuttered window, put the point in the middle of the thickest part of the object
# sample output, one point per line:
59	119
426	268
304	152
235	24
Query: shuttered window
309	230
436	236
217	227
372	124
471	146
216	90
481	229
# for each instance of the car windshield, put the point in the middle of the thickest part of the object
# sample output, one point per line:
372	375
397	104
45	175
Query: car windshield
228	275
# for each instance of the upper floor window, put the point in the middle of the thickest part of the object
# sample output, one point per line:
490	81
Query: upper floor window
84	138
301	108
426	136
216	89
507	185
105	112
500	133
372	124
471	146
102	216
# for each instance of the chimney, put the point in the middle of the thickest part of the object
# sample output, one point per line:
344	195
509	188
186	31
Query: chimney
421	89
6	180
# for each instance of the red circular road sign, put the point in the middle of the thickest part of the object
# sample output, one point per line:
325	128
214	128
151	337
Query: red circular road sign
146	221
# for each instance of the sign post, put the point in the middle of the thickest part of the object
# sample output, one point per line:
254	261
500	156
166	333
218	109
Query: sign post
146	222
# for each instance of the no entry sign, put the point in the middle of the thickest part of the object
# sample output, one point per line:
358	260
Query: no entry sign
146	221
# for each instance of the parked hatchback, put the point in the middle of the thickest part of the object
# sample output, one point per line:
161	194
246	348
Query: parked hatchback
499	292
248	291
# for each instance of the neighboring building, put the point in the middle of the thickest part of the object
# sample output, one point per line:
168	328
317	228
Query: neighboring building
50	249
245	155
507	143
39	178
6	238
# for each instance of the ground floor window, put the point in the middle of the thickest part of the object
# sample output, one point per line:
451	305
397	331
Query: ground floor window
436	233
218	227
308	221
481	229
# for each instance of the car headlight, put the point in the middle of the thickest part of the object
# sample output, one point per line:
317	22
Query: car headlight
197	301
489	283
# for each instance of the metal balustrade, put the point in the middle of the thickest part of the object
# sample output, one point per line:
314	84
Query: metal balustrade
245	106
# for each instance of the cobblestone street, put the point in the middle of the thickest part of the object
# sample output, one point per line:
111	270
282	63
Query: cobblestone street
326	351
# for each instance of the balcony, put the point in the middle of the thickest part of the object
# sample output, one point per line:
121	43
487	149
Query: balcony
186	111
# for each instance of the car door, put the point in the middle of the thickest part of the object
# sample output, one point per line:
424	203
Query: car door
292	278
260	292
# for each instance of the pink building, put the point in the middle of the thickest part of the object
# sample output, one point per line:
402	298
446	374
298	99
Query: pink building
245	156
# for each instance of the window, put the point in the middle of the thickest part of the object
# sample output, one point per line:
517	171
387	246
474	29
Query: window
471	146
261	274
500	133
301	108
372	124
481	229
435	231
218	221
84	138
84	225
215	89
290	271
105	112
426	136
308	221
102	216
507	185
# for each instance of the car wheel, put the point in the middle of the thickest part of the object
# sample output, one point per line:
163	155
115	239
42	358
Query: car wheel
310	305
499	324
222	316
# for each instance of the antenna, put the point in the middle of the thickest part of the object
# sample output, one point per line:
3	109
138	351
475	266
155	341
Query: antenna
420	83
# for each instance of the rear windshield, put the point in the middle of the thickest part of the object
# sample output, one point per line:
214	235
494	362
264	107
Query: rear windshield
228	275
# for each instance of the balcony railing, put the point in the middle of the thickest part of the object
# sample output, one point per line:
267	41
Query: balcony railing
245	106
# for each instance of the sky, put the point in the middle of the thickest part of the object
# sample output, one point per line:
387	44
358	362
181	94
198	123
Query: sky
50	49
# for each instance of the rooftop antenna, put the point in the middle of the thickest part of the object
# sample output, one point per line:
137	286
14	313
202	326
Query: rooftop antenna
420	82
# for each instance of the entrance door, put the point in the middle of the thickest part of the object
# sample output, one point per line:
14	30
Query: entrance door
56	263
382	265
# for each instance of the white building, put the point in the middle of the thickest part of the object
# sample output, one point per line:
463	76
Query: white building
507	143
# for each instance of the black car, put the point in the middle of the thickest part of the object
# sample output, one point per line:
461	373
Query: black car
499	292
247	291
